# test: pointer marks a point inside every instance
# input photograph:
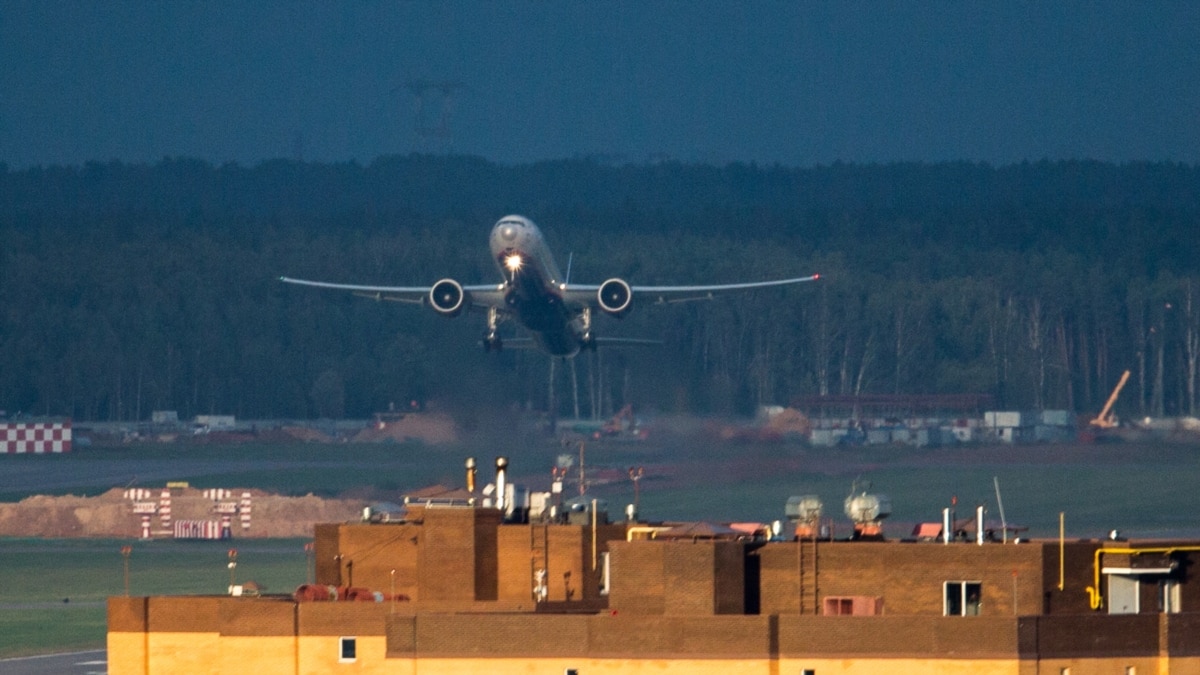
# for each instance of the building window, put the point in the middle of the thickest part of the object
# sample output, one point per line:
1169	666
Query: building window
1168	597
571	671
347	650
962	598
1130	670
808	671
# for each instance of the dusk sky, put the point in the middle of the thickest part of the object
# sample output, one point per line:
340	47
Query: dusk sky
798	83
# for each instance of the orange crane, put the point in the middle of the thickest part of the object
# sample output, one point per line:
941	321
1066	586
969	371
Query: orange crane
1107	419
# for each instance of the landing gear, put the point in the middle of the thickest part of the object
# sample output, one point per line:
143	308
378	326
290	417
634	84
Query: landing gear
492	342
491	338
586	339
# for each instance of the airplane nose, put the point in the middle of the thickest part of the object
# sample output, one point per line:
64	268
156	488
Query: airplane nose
508	232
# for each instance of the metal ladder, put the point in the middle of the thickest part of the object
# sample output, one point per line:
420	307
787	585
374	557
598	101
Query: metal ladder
539	561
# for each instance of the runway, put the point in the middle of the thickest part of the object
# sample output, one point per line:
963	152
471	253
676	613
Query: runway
93	662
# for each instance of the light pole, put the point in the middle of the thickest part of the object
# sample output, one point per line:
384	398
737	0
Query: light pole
232	568
309	562
635	475
126	551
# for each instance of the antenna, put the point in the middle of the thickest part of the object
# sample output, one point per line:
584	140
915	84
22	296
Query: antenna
570	259
1000	505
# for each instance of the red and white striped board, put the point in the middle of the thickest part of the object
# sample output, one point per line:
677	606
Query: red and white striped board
35	438
245	511
164	509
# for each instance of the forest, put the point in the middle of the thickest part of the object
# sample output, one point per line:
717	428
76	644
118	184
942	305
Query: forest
128	288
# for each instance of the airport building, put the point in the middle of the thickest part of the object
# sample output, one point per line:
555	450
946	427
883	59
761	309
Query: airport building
460	585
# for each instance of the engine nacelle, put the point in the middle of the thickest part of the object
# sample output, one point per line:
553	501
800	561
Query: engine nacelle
448	298
615	297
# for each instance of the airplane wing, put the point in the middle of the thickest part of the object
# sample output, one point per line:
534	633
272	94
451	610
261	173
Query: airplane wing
482	295
586	294
626	342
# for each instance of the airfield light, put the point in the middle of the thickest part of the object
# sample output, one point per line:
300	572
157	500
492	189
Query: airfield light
513	262
126	551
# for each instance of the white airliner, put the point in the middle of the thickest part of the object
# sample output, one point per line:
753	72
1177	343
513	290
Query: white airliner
557	313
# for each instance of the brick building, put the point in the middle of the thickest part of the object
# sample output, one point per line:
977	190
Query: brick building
457	590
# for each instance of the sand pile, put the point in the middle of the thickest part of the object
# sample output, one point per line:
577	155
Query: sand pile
112	514
427	427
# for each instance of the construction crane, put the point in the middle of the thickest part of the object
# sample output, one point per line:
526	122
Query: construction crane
1107	419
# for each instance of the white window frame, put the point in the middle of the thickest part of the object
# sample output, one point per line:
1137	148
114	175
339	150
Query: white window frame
1170	596
605	573
962	597
342	642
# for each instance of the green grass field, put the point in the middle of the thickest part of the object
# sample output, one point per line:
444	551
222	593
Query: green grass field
53	591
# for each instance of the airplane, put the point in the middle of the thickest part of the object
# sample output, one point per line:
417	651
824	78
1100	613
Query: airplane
558	314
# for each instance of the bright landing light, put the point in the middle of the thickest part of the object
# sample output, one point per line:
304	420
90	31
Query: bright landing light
513	262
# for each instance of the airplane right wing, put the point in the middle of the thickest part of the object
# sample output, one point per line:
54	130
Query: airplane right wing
615	295
670	294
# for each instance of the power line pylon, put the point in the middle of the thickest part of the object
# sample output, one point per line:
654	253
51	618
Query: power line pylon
434	104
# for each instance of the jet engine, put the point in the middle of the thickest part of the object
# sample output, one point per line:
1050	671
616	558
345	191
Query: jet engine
447	297
615	297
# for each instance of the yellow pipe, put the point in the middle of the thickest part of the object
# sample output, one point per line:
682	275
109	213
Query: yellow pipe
1095	596
1062	547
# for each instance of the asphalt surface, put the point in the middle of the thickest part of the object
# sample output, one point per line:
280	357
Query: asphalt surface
71	663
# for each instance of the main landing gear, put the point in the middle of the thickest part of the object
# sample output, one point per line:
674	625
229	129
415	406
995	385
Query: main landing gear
491	337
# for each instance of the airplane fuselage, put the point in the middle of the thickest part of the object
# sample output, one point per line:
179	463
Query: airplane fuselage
533	285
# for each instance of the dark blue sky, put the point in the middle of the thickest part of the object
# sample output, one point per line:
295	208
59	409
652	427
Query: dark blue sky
790	82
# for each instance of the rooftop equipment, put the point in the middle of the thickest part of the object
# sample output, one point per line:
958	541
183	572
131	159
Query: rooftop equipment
867	511
804	512
470	466
501	482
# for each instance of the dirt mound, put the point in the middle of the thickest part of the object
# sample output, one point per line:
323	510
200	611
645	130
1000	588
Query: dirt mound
307	435
427	427
112	514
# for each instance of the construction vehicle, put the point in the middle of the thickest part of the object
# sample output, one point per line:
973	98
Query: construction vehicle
621	426
1107	419
620	423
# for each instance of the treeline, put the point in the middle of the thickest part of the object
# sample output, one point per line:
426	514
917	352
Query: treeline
131	288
